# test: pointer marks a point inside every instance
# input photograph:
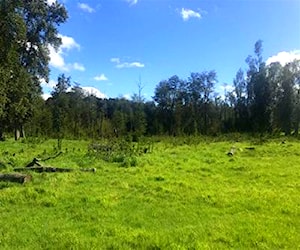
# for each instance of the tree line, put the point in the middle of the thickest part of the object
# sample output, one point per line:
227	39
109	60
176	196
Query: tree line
264	98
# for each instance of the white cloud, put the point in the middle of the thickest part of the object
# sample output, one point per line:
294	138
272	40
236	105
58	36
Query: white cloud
50	84
187	14
57	56
86	7
86	90
68	42
56	59
130	65
127	96
132	2
284	57
121	65
115	60
50	2
78	66
101	77
45	96
93	91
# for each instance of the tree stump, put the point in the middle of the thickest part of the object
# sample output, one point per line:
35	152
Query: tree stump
231	152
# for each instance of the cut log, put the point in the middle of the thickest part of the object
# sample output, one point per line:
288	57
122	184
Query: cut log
20	178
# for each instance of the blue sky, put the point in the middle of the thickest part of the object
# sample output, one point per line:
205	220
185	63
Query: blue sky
108	45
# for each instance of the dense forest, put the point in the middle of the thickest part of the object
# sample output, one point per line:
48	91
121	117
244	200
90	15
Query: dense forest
264	98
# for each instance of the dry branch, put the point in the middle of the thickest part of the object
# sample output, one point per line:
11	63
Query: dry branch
36	161
52	157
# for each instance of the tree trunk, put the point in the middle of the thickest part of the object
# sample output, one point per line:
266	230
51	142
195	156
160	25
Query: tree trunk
17	134
22	132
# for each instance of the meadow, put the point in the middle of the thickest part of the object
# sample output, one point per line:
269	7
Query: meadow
169	193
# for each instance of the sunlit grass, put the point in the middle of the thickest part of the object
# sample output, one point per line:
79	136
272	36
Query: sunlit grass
187	193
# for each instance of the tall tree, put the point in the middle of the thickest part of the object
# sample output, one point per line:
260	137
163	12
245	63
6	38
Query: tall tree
200	87
259	91
27	30
288	98
60	105
166	96
240	104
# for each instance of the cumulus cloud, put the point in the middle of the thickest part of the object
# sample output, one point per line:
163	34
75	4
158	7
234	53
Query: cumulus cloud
56	59
93	91
101	77
48	87
57	56
68	42
284	57
85	7
121	65
186	14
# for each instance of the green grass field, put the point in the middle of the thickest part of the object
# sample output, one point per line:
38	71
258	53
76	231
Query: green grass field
187	193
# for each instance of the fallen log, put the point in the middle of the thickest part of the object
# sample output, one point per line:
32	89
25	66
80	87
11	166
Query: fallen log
20	178
41	169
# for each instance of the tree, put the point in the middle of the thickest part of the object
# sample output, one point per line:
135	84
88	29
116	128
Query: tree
240	102
296	114
259	92
166	96
288	100
138	113
200	88
60	106
27	30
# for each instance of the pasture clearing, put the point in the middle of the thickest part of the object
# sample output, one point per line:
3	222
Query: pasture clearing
186	193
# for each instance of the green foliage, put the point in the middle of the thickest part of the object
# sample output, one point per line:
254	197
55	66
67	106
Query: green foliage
188	195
